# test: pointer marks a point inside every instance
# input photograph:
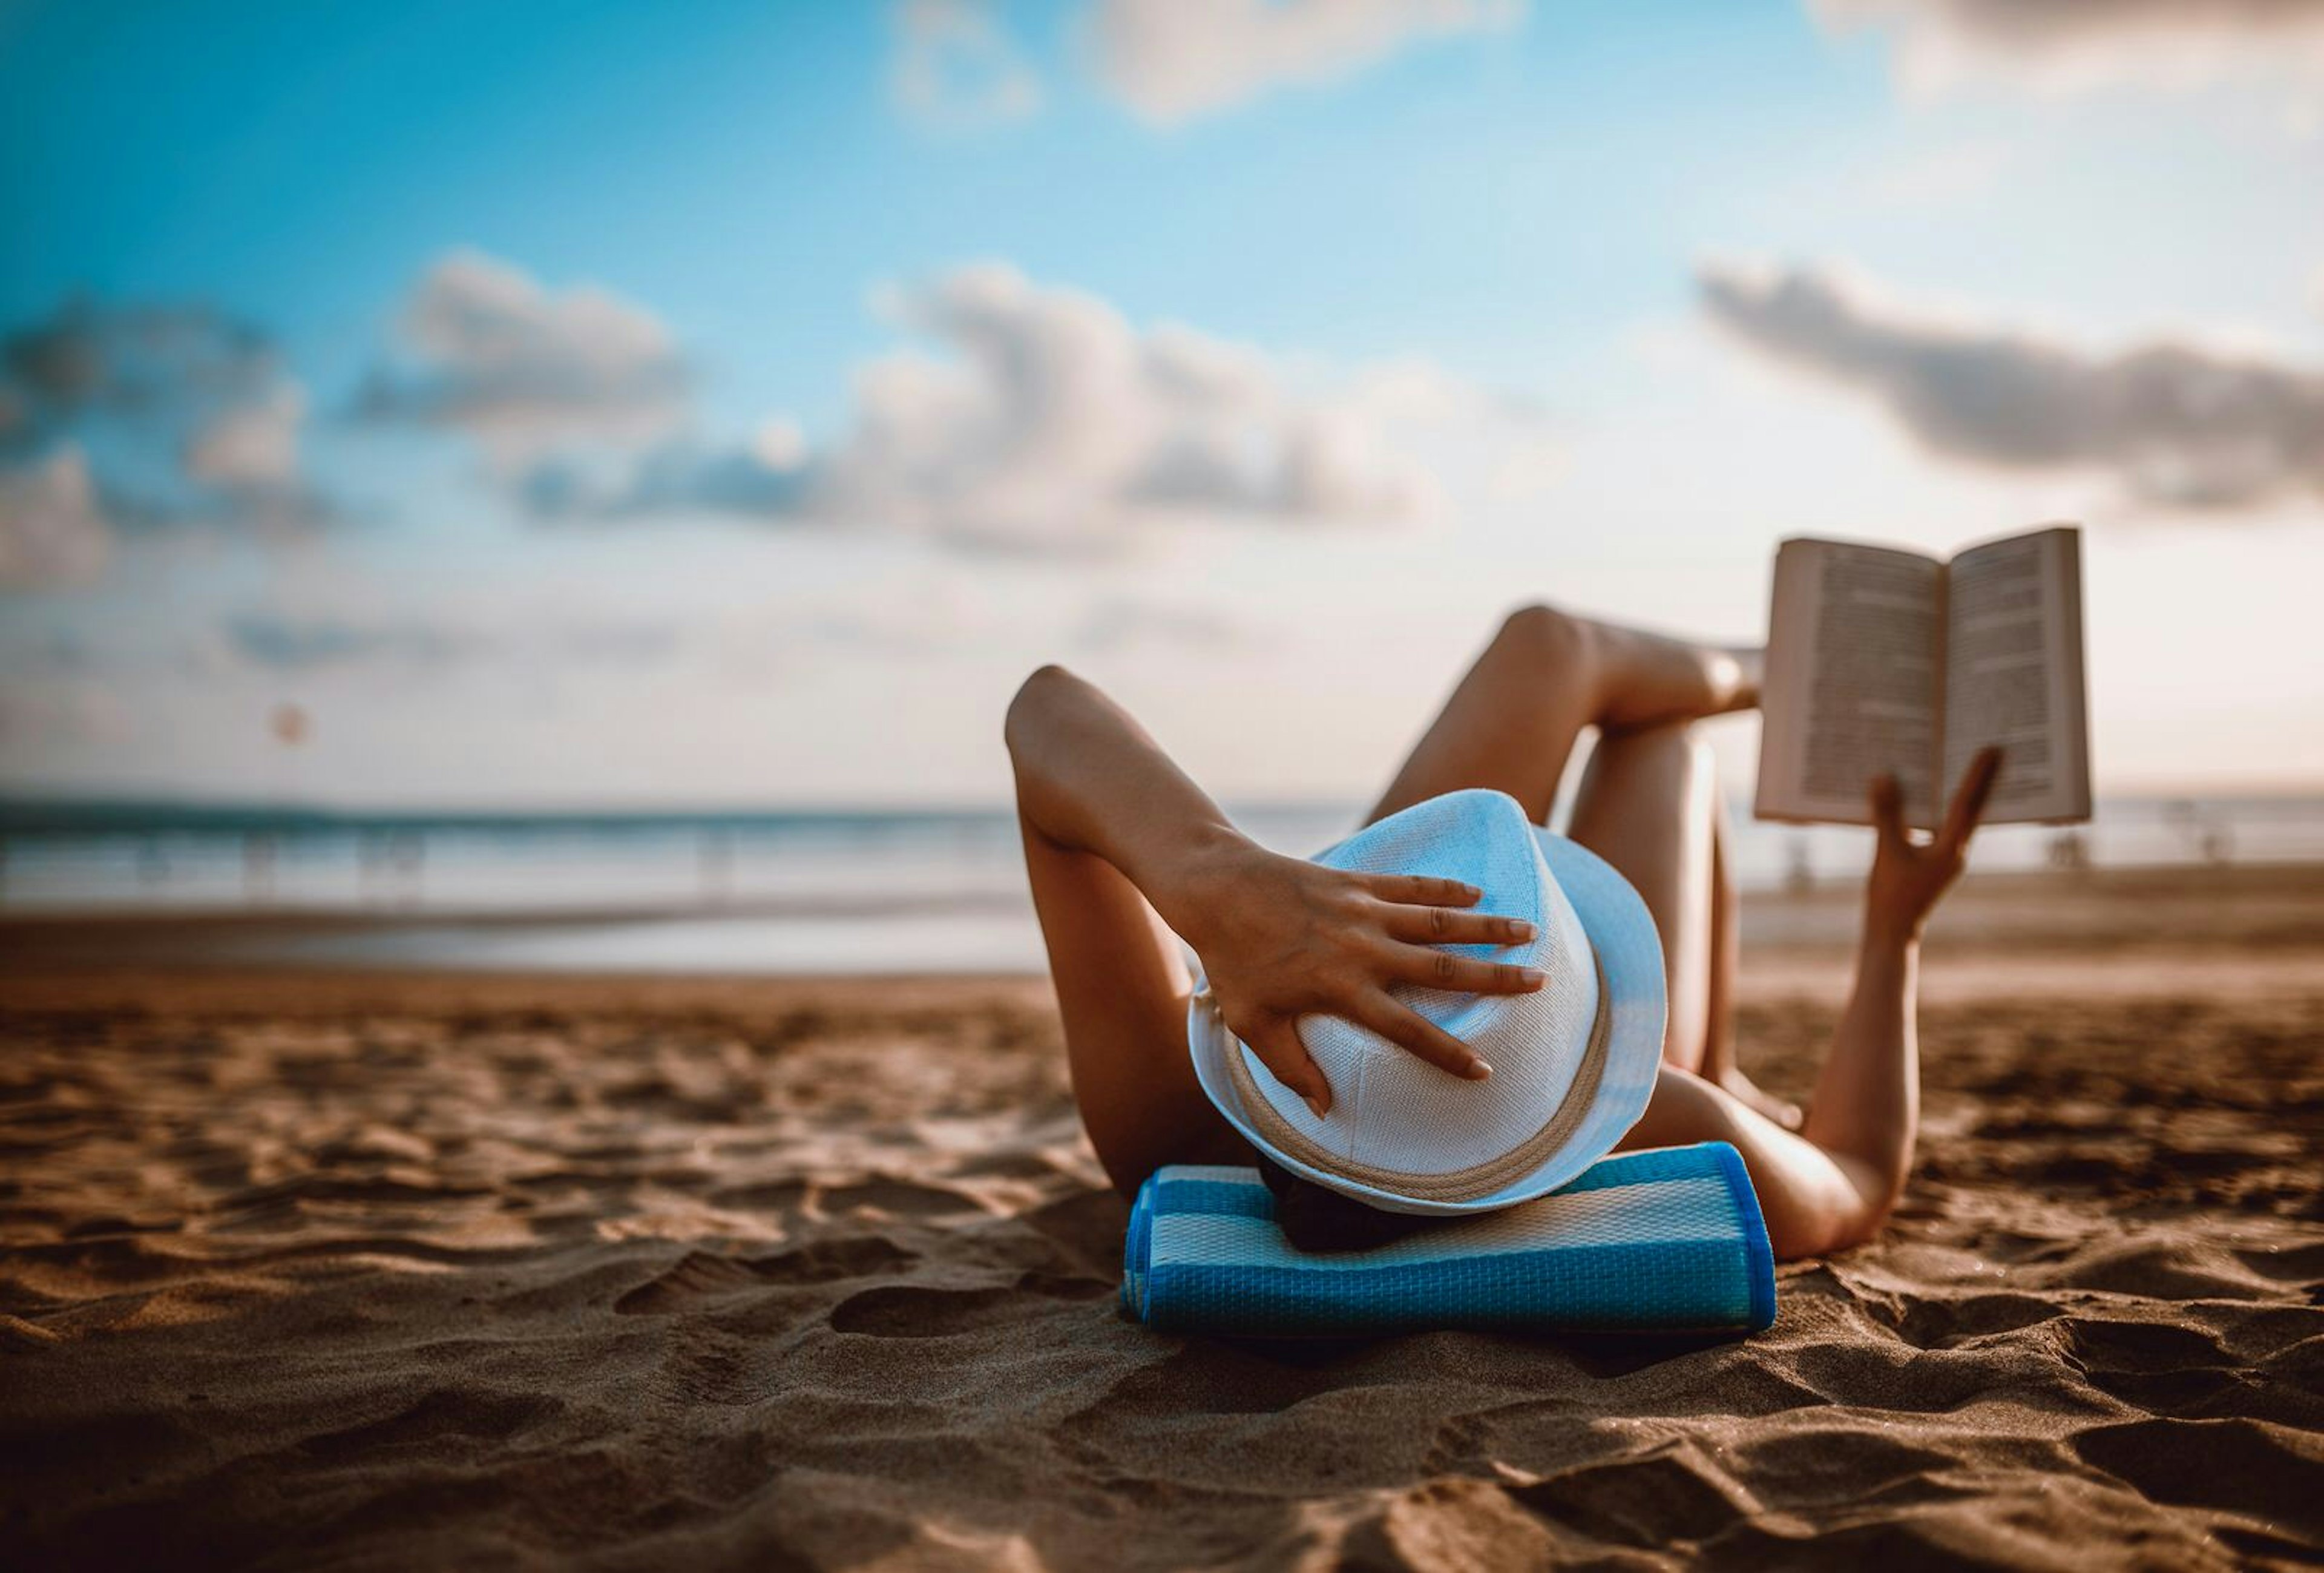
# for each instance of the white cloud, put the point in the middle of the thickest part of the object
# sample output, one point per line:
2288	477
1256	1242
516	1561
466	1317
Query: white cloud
685	476
1052	420
779	445
53	532
955	65
527	370
1173	59
2064	45
253	445
2174	423
1039	419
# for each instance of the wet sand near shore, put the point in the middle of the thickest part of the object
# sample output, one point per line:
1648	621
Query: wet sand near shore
325	1269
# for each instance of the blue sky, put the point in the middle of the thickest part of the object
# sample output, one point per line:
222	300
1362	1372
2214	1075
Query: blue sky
882	394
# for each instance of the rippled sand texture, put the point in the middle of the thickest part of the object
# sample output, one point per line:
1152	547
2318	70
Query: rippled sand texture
408	1274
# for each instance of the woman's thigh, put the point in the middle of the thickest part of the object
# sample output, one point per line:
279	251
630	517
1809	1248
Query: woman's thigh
1647	804
1122	989
1510	723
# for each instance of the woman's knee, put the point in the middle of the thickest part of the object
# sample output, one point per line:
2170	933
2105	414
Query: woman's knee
1034	692
1545	640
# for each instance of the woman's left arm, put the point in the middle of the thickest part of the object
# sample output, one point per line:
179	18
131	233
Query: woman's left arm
1280	938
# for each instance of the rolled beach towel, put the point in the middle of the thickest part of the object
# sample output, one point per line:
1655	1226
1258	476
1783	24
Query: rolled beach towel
1669	1240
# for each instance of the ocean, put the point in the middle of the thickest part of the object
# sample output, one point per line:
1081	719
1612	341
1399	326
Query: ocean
798	892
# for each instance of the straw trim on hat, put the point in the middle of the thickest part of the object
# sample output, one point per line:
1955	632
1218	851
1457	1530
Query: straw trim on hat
1462	1184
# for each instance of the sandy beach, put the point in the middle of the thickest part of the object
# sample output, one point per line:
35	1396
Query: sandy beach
387	1270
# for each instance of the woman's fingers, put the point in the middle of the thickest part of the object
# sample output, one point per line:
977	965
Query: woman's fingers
1451	926
1277	1043
1888	809
1422	890
1969	801
1416	964
1407	1028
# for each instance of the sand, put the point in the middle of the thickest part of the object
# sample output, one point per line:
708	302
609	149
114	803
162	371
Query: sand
312	1269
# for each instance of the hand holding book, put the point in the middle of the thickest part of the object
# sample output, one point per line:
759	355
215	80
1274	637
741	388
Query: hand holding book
1884	661
1909	876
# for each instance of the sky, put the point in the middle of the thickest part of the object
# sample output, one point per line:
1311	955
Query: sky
726	405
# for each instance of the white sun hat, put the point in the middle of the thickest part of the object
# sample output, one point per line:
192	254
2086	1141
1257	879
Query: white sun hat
1574	1062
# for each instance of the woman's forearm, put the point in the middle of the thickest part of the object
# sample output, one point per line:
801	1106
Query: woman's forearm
1090	778
1867	1099
1280	938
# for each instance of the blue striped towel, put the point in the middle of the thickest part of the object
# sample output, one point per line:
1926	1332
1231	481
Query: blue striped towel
1663	1240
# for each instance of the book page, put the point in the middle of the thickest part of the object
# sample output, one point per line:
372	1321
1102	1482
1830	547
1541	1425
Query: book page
1851	689
2014	673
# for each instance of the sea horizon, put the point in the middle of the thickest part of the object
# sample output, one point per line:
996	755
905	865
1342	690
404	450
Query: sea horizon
801	890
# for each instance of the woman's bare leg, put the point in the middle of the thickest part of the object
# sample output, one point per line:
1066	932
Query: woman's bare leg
1649	805
1816	1199
1511	724
1719	1063
1726	956
1512	721
1123	988
1645	806
1834	1183
1648	801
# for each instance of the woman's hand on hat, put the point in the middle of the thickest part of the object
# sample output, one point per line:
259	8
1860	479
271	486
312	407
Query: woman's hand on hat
1281	937
1909	876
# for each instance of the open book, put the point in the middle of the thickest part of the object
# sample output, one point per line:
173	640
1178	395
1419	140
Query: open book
1881	660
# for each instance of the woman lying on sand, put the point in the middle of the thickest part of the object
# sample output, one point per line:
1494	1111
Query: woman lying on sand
1125	851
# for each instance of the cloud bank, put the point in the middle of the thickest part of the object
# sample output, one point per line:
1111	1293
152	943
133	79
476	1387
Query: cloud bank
1170	60
2175	425
1035	418
114	416
270	639
526	370
284	644
1051	416
157	362
2068	44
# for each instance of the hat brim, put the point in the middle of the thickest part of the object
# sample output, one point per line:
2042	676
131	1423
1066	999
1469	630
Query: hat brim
1629	950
